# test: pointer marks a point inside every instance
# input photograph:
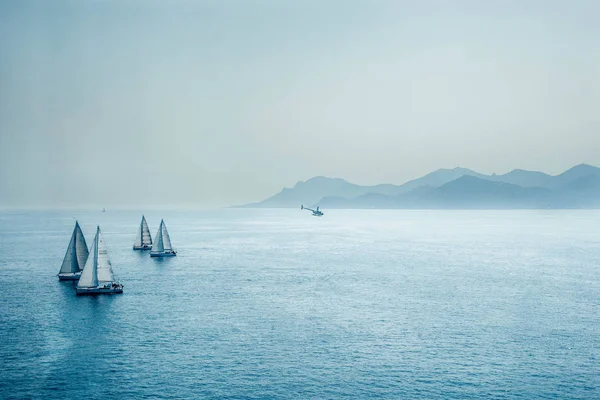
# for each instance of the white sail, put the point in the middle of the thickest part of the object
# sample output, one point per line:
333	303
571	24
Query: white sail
77	252
158	241
81	247
70	264
104	267
89	275
143	237
165	237
146	237
138	237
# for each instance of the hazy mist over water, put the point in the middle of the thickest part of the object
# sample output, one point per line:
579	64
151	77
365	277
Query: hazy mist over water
211	103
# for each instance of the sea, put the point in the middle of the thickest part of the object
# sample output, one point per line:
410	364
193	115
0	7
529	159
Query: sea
278	304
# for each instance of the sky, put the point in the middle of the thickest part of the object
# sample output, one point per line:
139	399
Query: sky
214	103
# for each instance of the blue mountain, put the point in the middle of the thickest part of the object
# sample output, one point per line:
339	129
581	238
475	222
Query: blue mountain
578	187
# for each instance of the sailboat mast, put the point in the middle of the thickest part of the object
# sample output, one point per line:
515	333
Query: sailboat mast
142	231
74	259
95	270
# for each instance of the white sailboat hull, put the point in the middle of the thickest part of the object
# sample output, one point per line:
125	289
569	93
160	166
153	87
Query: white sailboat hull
103	289
143	247
69	276
171	253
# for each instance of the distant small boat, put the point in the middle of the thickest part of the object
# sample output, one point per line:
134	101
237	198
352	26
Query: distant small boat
162	243
75	257
97	276
143	240
104	210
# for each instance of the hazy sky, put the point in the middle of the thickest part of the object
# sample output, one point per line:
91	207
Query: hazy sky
222	102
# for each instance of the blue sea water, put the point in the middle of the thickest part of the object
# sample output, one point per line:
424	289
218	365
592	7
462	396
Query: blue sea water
276	304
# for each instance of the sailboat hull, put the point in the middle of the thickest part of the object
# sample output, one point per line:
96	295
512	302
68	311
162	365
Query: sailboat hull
144	247
68	276
91	291
163	254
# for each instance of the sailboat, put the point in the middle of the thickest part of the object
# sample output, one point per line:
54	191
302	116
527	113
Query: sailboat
97	275
162	243
143	240
75	257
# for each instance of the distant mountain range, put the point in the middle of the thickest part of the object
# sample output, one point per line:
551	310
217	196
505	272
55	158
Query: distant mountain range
458	188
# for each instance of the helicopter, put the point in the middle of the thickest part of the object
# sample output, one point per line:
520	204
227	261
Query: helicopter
315	213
